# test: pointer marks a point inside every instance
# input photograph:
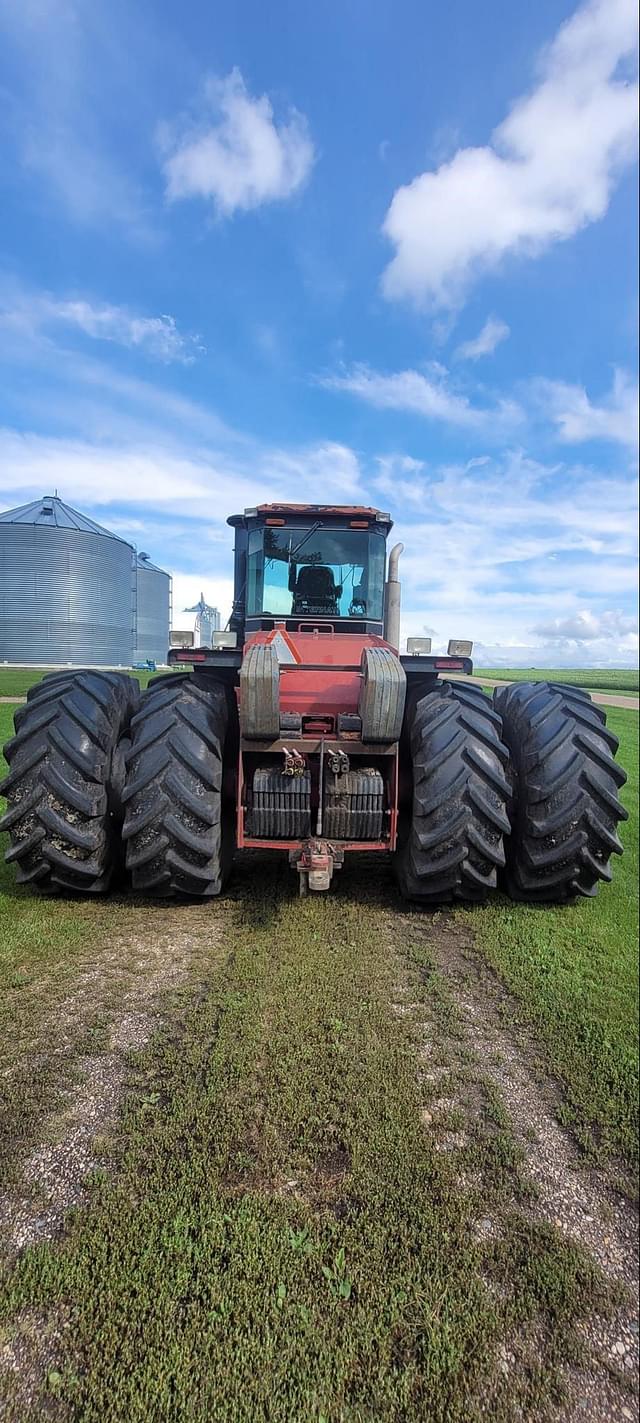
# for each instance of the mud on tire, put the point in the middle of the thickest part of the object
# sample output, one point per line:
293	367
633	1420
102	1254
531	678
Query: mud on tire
173	827
64	772
565	809
452	843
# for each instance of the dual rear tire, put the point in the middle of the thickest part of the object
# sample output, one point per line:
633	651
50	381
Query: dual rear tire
66	773
521	792
565	806
96	769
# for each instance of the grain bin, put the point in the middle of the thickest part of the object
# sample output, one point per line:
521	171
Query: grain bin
67	589
153	611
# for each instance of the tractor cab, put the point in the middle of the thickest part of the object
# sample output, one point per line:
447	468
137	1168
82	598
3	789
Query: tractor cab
296	564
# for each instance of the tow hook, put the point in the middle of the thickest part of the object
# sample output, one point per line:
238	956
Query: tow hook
315	862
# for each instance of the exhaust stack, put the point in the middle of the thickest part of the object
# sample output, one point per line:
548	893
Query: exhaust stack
392	599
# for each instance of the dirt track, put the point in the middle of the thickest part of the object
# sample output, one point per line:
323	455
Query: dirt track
577	1199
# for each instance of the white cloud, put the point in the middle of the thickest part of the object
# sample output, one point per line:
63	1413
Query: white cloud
173	476
102	474
538	656
586	626
156	336
493	332
549	170
434	396
493	545
488	553
330	469
428	395
400	479
241	159
577	418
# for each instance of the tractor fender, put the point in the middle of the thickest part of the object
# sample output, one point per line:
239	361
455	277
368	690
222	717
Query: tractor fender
260	692
382	697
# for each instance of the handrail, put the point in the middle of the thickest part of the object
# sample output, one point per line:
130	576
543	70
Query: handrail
316	626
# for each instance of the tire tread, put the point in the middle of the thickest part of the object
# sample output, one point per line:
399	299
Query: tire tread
565	810
61	824
453	849
173	790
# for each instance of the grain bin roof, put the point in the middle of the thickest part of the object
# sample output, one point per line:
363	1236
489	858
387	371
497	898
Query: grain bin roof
144	561
50	512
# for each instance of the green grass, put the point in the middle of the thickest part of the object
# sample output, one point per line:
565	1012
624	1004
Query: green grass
278	1238
16	681
624	680
574	971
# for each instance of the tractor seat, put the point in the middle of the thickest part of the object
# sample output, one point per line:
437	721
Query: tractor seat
316	591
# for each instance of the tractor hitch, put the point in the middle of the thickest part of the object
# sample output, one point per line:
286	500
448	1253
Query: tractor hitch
315	862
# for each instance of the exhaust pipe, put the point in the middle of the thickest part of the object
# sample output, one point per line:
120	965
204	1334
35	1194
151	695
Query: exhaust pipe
392	599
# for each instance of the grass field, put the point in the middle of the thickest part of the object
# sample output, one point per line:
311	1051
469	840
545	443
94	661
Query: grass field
594	679
272	1232
15	681
278	1237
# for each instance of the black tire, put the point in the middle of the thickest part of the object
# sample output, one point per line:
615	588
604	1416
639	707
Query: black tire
452	840
163	678
63	807
173	796
565	809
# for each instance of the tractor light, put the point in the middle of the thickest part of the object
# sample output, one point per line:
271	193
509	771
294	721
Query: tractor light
457	648
418	646
225	639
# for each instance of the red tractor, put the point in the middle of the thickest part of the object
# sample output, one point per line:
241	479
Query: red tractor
303	730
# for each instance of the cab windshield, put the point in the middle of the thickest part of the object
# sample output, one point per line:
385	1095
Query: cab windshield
311	571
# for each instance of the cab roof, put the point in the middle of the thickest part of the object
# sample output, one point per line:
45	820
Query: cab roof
334	512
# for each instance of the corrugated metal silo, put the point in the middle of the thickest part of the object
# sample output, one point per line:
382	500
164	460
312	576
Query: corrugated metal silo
67	588
153	611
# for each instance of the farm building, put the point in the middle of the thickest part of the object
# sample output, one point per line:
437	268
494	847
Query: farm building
72	592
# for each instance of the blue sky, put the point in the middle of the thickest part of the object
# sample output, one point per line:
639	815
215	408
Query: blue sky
382	253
